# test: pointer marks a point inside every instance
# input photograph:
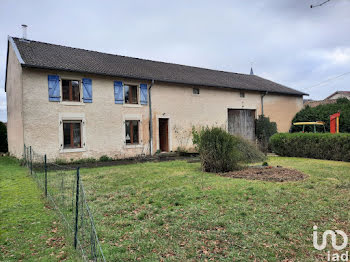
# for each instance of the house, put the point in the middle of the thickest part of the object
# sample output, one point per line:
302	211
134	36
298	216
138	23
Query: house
328	100
72	103
339	94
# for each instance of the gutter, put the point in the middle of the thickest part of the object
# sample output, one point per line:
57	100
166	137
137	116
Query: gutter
150	119
262	101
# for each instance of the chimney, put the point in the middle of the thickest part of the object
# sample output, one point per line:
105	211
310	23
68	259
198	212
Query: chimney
24	28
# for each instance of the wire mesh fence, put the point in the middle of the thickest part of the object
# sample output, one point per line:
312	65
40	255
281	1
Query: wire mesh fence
65	191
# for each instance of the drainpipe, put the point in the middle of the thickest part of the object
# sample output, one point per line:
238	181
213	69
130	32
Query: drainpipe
262	102
150	120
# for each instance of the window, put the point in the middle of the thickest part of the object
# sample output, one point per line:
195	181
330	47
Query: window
242	94
70	90
130	94
72	134
195	91
132	131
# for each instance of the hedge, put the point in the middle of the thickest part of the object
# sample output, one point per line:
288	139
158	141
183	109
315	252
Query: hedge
322	113
264	129
312	145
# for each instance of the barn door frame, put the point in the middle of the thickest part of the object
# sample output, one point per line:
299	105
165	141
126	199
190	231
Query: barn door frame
240	108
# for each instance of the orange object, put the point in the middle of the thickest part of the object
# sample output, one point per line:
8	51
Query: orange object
334	123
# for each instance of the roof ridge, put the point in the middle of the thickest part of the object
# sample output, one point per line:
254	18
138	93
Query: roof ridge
149	60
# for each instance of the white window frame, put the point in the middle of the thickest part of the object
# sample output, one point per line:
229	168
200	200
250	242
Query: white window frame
138	95
137	117
72	117
72	103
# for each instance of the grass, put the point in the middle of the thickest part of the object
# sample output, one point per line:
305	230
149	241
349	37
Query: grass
172	211
29	229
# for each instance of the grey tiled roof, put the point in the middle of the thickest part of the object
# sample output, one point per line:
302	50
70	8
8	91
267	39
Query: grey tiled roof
44	55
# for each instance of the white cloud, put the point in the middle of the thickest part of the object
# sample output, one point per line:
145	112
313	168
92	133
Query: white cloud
331	56
338	55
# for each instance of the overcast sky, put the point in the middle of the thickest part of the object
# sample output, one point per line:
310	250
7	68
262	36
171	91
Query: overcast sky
287	41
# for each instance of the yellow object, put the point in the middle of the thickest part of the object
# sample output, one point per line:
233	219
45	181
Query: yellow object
319	123
338	124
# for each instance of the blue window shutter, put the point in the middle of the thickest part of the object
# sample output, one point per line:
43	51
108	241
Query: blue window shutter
143	94
87	90
118	92
54	88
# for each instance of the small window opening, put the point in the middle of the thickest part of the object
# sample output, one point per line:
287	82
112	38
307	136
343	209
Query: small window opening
196	91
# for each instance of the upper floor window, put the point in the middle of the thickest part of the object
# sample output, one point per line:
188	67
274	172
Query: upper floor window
195	91
242	94
130	94
70	90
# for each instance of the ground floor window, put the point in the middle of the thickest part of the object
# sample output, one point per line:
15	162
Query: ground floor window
132	131
72	134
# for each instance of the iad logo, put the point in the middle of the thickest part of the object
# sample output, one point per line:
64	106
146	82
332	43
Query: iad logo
332	234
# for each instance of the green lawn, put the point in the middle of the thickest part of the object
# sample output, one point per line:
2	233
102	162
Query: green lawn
172	211
29	229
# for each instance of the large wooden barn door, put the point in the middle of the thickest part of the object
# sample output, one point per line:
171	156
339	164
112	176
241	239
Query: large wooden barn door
242	122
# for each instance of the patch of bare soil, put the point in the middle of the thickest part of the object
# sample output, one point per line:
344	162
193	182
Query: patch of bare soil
273	174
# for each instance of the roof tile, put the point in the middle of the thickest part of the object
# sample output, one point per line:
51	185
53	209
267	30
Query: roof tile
44	55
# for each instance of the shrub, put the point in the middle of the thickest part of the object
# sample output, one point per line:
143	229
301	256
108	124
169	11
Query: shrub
264	129
312	145
221	152
3	138
322	113
105	158
84	160
61	161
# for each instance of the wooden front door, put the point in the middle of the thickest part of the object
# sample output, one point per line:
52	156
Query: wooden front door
242	122
163	135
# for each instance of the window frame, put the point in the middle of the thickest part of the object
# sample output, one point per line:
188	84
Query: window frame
137	87
71	89
132	132
241	94
72	117
72	122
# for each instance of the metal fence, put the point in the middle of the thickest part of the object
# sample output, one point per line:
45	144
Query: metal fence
63	187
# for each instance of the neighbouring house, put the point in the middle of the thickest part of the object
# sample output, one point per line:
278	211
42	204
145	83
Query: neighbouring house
339	94
72	103
329	99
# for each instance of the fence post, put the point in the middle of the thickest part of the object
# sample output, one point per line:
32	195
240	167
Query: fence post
28	157
24	154
45	167
76	211
31	160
